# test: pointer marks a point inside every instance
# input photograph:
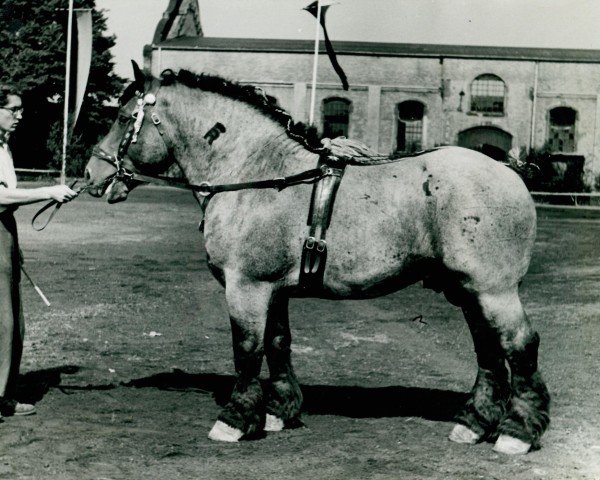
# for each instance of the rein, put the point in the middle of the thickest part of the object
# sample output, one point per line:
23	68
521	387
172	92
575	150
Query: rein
205	188
56	204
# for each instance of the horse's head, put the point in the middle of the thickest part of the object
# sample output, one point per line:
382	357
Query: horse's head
135	143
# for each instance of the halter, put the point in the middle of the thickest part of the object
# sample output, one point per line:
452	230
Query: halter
205	189
121	173
130	136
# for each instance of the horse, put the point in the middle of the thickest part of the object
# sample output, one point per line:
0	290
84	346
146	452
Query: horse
456	220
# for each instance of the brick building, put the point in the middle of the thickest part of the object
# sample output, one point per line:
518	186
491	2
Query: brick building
406	97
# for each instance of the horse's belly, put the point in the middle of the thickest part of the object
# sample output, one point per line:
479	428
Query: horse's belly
360	266
369	286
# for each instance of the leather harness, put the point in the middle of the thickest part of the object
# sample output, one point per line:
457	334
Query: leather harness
325	178
314	250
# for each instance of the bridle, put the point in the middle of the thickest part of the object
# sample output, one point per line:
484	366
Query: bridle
205	189
130	136
121	173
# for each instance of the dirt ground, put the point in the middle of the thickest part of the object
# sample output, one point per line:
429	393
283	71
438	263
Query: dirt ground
130	363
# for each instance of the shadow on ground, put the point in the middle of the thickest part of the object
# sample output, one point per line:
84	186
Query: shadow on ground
348	401
32	386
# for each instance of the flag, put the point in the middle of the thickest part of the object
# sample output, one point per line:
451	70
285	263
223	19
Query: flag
313	10
84	58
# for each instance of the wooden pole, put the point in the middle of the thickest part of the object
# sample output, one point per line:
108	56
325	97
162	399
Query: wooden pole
313	92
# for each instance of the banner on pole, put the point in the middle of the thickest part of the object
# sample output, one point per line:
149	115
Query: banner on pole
313	10
84	58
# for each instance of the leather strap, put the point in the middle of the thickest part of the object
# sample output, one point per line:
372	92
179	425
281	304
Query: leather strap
314	250
56	205
205	189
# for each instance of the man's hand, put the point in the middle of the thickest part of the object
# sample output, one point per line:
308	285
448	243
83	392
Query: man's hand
61	193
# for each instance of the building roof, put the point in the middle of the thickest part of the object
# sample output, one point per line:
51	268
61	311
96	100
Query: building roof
382	49
182	17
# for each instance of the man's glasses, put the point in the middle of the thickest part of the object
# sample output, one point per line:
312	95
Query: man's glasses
14	110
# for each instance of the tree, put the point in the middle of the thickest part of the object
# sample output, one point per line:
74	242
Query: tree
32	56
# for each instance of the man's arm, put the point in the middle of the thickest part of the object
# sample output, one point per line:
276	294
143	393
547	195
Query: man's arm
25	196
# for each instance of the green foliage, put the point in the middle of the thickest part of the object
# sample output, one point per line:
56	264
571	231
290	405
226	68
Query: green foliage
32	54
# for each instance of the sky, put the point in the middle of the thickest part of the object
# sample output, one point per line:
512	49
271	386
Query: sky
517	23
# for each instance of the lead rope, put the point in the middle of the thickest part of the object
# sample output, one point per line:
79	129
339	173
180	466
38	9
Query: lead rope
56	204
51	203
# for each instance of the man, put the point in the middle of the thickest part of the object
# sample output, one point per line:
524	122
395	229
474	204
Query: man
11	315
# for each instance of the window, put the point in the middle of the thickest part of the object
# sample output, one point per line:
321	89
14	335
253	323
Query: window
487	94
336	117
410	126
562	130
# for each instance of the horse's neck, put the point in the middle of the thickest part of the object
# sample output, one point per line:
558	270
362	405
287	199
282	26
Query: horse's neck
252	146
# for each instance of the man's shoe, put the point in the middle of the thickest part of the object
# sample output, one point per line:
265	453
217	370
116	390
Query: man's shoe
8	408
22	409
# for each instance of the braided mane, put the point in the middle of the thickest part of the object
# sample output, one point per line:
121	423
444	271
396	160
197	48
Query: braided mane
350	151
251	95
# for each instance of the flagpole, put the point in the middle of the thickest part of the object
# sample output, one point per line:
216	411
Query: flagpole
315	62
63	168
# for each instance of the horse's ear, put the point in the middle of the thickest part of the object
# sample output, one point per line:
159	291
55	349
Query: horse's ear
140	78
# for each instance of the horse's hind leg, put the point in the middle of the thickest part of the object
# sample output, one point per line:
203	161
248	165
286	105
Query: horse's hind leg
487	404
528	414
527	410
248	304
284	396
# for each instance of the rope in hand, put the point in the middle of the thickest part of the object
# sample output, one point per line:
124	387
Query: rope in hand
50	204
56	204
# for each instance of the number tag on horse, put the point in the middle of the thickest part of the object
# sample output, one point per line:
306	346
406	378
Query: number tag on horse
214	132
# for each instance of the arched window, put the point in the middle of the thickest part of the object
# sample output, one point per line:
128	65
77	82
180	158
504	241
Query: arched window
410	126
336	117
488	94
562	129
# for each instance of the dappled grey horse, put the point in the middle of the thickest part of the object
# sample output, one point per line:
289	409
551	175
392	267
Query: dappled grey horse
453	218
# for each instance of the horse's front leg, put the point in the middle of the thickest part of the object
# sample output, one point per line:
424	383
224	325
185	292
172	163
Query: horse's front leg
248	302
284	397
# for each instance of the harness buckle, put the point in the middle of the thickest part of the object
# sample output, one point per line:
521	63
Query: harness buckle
331	171
155	118
310	243
321	246
204	193
124	175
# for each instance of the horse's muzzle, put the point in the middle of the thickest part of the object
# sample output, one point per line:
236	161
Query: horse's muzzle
117	192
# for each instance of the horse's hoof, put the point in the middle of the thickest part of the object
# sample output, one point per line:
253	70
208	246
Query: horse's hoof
221	432
273	424
511	445
462	434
